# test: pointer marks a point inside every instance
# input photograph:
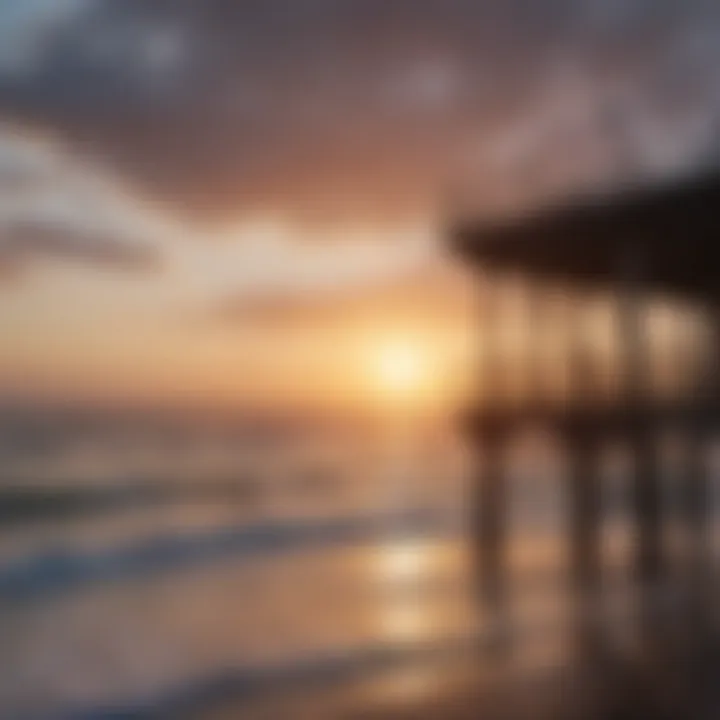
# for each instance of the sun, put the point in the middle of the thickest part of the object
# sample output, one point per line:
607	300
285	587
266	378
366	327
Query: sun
401	368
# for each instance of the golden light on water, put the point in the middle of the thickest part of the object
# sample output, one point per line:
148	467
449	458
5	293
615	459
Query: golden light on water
405	622
404	561
400	566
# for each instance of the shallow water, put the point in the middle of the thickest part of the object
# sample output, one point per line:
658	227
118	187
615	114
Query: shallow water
151	606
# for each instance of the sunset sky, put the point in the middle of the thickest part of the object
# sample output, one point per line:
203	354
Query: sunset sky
244	202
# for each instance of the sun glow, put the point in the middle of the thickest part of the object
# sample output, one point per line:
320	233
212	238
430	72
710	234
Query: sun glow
402	368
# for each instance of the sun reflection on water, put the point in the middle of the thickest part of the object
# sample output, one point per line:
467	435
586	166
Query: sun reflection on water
403	561
404	615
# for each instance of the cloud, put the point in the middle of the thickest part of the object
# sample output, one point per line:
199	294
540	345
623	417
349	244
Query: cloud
365	108
23	244
330	111
92	39
53	208
29	27
427	295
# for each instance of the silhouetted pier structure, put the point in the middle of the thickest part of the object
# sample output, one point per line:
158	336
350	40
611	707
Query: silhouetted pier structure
629	249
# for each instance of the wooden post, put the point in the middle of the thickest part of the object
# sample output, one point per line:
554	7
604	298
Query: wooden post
536	384
582	437
490	503
646	491
696	492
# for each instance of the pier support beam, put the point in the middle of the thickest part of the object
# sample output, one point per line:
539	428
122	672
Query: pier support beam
582	435
697	495
490	487
646	488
